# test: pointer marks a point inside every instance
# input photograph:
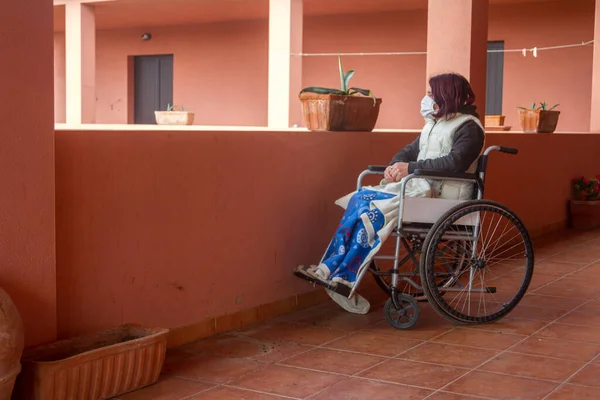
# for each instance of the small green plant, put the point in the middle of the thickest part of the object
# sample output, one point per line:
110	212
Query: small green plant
172	107
345	90
543	107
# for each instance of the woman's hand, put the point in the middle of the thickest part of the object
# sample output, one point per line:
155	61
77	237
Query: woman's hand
395	173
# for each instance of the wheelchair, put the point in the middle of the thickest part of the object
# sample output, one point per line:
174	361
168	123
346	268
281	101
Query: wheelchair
471	260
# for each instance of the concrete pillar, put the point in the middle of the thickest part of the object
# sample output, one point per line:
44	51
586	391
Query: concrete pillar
595	115
285	71
27	236
457	42
80	65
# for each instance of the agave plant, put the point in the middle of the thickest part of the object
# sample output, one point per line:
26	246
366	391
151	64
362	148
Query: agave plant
543	106
345	90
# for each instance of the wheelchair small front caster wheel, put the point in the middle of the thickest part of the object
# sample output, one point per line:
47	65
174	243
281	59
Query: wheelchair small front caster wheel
404	318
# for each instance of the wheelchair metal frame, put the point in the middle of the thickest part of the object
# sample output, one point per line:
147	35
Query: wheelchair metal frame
478	179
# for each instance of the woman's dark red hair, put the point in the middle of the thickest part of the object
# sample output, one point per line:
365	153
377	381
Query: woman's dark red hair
451	92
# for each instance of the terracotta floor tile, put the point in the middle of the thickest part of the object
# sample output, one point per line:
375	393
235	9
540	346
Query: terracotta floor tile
593	307
512	326
576	255
204	345
572	392
558	349
452	396
554	268
363	389
303	334
414	373
371	343
214	369
578	333
168	388
559	303
265	351
287	381
530	366
589	376
479	338
502	387
445	354
591	272
424	329
342	362
579	282
536	313
580	318
568	288
225	393
174	355
344	320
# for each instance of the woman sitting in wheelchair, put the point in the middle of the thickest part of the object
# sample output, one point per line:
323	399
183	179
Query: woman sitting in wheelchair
451	140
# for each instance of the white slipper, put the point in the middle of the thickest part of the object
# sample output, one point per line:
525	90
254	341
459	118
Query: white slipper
356	305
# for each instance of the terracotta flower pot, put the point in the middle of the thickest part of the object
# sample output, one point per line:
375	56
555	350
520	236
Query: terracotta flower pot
494	120
548	121
94	367
328	112
11	345
174	117
584	214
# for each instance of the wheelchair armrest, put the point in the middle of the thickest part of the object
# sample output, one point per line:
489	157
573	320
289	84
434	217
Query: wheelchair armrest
444	174
377	168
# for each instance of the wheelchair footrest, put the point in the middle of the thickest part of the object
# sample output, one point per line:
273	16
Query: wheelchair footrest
301	272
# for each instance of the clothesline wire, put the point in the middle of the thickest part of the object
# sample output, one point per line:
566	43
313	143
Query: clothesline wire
415	53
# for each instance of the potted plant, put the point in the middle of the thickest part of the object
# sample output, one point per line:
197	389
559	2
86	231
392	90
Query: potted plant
97	366
344	109
494	120
584	207
174	117
540	119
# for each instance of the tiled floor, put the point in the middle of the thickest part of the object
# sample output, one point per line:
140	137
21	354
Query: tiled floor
548	348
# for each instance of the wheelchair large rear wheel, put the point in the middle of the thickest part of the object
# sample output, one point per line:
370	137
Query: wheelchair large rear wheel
496	254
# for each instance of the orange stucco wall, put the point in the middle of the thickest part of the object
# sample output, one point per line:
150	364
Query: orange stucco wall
221	69
170	227
27	230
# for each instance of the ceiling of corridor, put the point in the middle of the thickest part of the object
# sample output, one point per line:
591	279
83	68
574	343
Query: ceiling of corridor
151	13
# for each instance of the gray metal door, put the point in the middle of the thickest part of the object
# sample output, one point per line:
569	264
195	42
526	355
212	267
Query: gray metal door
494	79
153	86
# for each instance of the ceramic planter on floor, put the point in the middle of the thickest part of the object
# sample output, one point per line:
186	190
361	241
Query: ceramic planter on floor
94	367
329	112
584	214
174	117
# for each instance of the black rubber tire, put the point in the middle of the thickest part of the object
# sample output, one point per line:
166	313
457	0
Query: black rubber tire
410	302
435	296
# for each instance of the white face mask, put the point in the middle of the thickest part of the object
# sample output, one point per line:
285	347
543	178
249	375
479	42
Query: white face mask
427	107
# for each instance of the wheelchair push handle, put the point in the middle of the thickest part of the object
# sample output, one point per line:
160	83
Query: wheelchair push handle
509	150
377	168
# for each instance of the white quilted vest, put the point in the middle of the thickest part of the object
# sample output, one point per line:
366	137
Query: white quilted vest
436	141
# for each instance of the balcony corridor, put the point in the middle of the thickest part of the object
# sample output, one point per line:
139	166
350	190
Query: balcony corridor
548	348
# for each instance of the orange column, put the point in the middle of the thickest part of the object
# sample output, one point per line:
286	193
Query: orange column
457	42
80	66
595	116
285	71
27	228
